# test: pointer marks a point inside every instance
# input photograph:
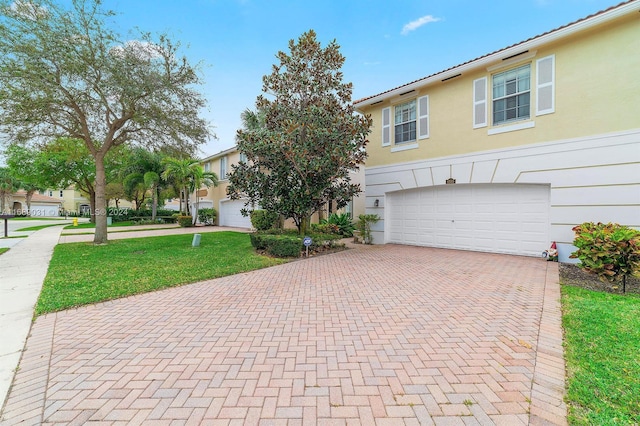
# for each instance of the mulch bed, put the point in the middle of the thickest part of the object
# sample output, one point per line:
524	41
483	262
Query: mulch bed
570	274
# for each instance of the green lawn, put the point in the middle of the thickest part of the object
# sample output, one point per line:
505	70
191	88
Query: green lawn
82	273
602	351
4	249
38	227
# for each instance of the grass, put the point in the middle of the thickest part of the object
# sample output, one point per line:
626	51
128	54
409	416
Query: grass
602	347
37	228
4	249
83	273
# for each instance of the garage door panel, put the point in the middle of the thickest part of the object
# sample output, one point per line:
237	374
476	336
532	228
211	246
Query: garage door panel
499	218
230	214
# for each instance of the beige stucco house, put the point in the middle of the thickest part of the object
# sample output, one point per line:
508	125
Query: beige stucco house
507	152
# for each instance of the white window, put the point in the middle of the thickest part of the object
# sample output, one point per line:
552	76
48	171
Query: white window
223	167
207	166
405	122
243	157
512	95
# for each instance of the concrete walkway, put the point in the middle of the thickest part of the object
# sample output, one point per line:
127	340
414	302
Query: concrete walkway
383	335
22	271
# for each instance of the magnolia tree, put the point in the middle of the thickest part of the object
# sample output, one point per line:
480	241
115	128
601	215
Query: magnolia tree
65	73
304	138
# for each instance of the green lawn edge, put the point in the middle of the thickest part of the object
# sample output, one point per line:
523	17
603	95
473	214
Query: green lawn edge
602	353
83	273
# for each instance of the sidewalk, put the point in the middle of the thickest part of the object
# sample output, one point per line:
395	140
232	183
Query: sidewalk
22	271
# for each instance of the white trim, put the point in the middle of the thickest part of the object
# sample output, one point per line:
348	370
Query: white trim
512	128
480	103
422	115
407	147
629	136
546	84
567	31
386	127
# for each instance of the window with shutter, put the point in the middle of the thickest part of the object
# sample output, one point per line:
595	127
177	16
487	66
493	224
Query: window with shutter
423	117
386	127
545	77
480	102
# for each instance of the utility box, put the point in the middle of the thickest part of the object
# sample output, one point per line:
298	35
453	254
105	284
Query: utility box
196	240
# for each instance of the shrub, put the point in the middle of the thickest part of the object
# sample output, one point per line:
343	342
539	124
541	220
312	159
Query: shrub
207	216
185	221
610	251
263	219
364	226
342	221
278	245
325	228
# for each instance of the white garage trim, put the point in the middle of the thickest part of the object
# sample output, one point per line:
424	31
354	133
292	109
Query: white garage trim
497	218
579	171
229	214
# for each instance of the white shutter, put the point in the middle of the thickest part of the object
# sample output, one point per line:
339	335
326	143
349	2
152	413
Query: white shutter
545	78
423	117
386	127
480	102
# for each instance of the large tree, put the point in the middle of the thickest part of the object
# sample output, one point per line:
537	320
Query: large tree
304	138
64	72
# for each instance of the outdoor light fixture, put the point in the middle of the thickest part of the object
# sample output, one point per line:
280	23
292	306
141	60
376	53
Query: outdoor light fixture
376	203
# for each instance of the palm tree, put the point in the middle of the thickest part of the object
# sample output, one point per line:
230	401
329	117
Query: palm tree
142	174
200	178
189	176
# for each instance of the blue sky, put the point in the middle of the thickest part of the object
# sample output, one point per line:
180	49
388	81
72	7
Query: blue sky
386	44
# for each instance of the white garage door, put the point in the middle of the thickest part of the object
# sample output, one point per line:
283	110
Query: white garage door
44	210
498	218
230	214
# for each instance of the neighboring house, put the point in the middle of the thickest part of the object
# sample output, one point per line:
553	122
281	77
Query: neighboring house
229	211
41	205
507	152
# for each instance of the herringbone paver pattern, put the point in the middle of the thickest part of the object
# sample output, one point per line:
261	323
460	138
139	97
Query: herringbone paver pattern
383	335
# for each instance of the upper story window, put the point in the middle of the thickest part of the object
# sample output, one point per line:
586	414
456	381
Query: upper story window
207	166
410	122
243	157
50	193
223	167
61	194
405	122
512	95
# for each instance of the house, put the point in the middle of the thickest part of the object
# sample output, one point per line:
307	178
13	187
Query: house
229	211
507	152
41	205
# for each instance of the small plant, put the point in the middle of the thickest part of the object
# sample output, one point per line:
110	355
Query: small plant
185	221
467	402
364	226
325	228
342	221
610	251
207	216
263	219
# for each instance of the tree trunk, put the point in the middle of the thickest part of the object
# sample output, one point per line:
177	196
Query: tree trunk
154	204
28	198
186	201
92	206
100	207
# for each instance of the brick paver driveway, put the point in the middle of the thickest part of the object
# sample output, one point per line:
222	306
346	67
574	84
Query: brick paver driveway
374	336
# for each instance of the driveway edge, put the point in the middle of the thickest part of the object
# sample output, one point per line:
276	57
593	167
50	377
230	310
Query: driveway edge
548	387
27	396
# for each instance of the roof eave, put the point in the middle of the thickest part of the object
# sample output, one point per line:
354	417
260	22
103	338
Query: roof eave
490	59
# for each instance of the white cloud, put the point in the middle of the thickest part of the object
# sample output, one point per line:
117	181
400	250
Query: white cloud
141	49
28	10
414	25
